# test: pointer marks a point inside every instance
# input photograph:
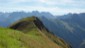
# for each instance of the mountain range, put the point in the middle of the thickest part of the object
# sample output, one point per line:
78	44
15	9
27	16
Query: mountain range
8	18
69	27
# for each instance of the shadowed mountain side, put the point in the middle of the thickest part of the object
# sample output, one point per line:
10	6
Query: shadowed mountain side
34	26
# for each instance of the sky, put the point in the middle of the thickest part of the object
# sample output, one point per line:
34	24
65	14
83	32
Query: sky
55	7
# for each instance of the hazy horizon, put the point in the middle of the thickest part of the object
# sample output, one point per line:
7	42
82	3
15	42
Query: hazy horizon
55	7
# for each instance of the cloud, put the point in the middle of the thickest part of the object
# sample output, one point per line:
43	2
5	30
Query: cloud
52	6
46	2
53	10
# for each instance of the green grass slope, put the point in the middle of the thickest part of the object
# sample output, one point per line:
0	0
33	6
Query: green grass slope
11	38
27	33
16	39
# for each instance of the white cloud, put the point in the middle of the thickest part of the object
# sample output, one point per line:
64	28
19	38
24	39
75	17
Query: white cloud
19	1
53	10
52	6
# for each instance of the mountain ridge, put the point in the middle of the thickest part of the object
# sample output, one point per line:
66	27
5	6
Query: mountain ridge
44	31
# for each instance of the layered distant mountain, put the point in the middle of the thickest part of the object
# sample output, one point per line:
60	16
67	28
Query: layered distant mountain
70	27
75	25
8	18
